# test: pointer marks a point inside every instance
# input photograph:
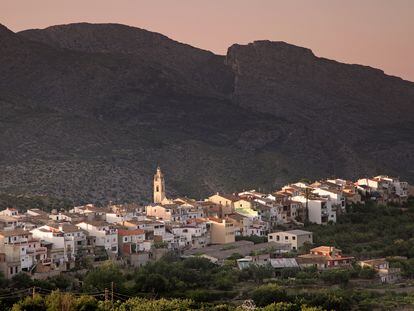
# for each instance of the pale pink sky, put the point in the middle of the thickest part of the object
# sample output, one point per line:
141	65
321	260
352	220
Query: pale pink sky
378	33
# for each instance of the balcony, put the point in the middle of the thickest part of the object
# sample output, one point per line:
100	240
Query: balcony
46	262
110	232
41	250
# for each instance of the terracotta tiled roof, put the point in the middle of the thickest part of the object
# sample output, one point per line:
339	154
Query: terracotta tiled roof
124	232
15	232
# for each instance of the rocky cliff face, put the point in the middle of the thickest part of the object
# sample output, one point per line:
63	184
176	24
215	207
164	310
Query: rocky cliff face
88	111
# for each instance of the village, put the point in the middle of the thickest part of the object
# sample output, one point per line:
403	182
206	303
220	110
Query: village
42	244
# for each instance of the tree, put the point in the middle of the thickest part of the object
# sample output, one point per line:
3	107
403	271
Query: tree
281	306
30	303
102	277
367	273
21	280
86	303
153	283
335	276
259	273
224	280
139	304
267	294
58	301
3	280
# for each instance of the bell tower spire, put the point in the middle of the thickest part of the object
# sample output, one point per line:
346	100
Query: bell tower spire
159	186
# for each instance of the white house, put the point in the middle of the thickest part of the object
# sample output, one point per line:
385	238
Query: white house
319	209
334	195
295	238
106	235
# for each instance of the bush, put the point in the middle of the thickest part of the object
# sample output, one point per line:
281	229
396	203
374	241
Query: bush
139	304
102	277
253	238
288	273
267	294
367	273
35	303
335	276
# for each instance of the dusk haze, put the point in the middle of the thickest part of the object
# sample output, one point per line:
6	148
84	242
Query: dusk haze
231	155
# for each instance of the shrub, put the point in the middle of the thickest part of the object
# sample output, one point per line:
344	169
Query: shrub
267	294
367	273
335	276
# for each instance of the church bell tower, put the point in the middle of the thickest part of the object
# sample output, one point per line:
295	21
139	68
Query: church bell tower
159	186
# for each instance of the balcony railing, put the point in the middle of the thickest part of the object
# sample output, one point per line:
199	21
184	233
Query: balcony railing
46	261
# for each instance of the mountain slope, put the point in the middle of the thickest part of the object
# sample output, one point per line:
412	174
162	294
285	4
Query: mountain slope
89	110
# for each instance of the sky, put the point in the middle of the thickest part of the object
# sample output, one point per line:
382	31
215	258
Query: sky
377	33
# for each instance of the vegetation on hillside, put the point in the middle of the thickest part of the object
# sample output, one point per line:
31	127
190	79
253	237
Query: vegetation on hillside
173	283
368	231
25	202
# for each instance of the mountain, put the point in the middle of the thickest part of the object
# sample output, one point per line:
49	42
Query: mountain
87	111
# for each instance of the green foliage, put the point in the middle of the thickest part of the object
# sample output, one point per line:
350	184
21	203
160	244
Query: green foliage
253	238
335	276
58	301
29	303
139	304
367	273
101	278
281	306
288	273
267	297
285	306
310	273
257	273
235	256
25	202
181	275
3	280
267	294
86	303
371	231
21	280
152	283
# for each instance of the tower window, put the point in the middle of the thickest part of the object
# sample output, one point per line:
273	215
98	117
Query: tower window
157	188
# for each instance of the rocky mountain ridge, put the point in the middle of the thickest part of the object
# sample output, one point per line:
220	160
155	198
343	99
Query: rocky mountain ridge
89	110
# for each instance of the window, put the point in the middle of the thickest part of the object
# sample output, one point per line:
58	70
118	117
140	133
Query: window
125	239
293	238
286	238
270	237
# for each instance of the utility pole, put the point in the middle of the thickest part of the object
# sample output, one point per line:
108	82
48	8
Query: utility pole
307	207
106	294
112	294
33	292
